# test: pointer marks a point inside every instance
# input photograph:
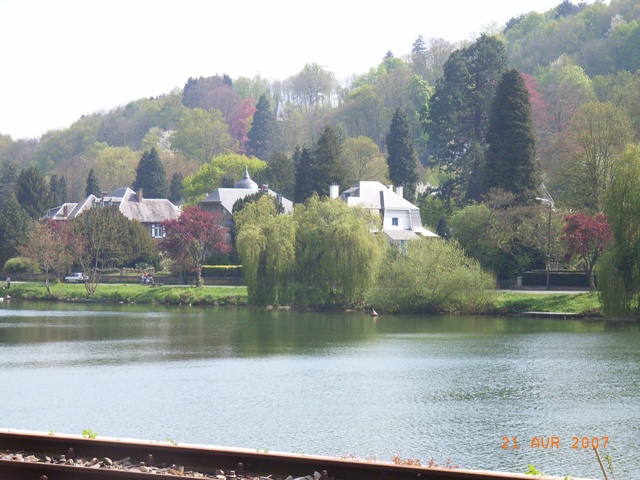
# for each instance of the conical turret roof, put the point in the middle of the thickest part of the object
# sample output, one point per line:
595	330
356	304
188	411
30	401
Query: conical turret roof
246	181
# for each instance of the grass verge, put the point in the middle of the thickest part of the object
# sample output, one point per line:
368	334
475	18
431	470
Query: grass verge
586	304
166	294
502	303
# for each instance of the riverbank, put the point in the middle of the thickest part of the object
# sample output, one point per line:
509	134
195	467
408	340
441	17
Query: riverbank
503	302
131	293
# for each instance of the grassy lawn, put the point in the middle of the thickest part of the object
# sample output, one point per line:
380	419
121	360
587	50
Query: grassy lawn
582	303
134	293
504	303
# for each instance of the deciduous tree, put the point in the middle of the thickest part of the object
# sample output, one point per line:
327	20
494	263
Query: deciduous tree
194	236
52	247
202	134
364	161
212	175
592	145
104	241
586	237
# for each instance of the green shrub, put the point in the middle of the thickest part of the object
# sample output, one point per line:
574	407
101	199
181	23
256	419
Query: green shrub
223	271
21	265
433	276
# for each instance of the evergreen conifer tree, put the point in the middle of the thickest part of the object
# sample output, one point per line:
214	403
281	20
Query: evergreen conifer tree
57	190
151	176
32	192
15	226
402	157
93	187
510	161
331	168
263	127
305	171
175	189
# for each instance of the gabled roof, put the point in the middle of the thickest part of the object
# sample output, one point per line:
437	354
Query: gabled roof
381	198
228	196
375	195
149	210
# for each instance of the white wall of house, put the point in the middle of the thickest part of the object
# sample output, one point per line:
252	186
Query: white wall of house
400	219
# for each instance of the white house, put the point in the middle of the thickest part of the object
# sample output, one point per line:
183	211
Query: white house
400	218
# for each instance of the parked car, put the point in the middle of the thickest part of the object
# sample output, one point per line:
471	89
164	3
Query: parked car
75	278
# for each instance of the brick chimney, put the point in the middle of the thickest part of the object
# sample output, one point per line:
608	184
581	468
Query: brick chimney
140	199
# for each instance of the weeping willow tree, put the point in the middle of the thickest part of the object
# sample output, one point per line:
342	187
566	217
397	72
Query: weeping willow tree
337	257
619	270
265	244
322	256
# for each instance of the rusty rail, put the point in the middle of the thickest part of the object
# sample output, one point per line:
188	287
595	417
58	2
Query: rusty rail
204	460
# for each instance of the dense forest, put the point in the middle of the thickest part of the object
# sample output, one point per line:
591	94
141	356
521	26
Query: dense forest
570	56
561	87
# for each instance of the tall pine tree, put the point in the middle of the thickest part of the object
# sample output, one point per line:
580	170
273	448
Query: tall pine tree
305	171
15	226
175	188
459	112
151	176
32	192
402	157
93	187
260	137
510	161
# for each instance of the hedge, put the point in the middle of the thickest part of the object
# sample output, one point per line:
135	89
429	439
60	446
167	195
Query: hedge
557	278
222	271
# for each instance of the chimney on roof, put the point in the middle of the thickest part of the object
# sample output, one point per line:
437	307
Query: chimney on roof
400	191
334	190
65	211
265	187
140	195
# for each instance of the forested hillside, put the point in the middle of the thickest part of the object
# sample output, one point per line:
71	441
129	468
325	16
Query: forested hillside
572	56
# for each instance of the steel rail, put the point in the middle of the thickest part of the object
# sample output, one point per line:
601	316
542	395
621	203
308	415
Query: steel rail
201	459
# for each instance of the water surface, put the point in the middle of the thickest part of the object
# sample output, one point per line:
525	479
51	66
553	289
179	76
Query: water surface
333	384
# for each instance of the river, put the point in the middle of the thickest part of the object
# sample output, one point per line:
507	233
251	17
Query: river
427	387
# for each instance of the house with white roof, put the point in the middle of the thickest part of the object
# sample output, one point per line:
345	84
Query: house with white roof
400	218
222	199
151	212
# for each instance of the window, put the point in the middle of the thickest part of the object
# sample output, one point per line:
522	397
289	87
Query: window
394	221
157	231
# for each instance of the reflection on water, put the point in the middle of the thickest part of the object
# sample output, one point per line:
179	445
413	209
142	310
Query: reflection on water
335	384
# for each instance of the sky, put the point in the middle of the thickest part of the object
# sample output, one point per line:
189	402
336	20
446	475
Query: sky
62	59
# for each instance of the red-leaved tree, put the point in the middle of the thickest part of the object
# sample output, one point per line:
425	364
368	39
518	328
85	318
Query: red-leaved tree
586	237
194	236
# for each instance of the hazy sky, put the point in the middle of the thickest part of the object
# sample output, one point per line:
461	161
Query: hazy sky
65	58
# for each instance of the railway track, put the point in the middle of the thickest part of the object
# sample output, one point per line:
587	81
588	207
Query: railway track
33	456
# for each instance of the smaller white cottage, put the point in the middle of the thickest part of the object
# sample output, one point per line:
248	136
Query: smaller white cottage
400	218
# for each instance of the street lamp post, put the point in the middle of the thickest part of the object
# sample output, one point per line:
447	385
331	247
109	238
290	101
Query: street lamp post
550	203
